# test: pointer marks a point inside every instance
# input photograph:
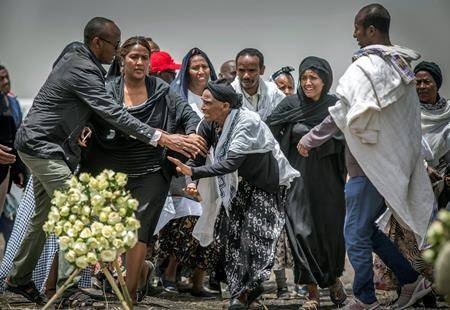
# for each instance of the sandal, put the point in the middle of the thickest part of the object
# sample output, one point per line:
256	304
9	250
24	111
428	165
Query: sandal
143	291
29	291
79	299
337	293
310	304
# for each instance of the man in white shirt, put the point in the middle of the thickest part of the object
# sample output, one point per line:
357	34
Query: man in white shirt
258	95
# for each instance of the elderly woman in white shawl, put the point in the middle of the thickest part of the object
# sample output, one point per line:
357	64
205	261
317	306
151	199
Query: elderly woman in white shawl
249	177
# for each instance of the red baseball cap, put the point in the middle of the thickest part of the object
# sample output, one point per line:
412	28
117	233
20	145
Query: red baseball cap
162	61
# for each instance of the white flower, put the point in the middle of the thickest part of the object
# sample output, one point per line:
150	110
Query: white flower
118	244
444	216
132	223
121	179
64	211
96	228
72	218
75	209
58	198
119	227
64	242
109	174
54	216
107	231
92	243
91	258
435	231
74	196
58	229
429	255
70	256
85	220
78	225
67	226
103	243
93	184
133	204
102	183
97	200
121	201
130	239
108	255
107	194
113	218
73	182
123	212
48	226
80	248
103	217
81	262
86	233
86	211
84	177
71	232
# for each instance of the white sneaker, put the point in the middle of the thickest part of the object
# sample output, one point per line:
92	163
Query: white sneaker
412	292
356	304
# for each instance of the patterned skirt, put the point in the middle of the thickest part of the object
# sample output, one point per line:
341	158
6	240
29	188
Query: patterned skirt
176	239
248	236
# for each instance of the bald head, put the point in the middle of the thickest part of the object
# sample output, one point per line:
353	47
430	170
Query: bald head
228	70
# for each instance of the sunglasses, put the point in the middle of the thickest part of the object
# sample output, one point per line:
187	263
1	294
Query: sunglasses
115	45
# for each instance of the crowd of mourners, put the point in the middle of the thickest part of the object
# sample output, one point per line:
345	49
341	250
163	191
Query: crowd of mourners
236	177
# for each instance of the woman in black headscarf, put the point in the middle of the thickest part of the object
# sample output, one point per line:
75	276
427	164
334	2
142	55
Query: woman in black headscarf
316	205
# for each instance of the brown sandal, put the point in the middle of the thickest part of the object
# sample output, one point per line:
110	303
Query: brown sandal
337	293
310	304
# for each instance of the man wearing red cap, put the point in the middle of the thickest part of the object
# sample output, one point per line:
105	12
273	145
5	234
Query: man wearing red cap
163	66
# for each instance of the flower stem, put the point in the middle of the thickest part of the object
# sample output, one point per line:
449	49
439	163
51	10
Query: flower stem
115	287
61	290
122	283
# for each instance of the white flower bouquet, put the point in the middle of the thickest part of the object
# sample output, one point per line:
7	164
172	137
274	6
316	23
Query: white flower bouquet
439	253
94	220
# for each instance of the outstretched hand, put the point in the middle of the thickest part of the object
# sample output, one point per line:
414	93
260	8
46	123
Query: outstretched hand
181	168
191	190
186	145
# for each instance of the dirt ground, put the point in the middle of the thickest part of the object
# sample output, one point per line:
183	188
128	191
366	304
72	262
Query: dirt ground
184	301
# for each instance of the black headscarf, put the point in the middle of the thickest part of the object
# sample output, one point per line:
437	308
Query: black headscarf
180	84
299	108
433	69
223	91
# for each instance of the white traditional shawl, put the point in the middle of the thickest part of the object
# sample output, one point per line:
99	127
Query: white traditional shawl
270	97
243	133
436	131
380	118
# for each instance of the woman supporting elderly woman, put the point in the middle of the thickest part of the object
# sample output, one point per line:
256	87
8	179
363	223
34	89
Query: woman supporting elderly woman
250	175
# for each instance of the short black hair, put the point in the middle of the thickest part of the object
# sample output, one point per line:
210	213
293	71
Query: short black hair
377	16
2	67
251	52
96	27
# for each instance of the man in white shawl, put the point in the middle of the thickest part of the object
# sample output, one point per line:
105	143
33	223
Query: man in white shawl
257	95
246	193
378	113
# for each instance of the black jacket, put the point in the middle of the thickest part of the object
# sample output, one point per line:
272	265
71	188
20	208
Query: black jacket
74	90
164	109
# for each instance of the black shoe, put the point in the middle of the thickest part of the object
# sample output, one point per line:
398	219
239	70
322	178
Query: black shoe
169	286
235	304
29	291
203	294
254	294
283	293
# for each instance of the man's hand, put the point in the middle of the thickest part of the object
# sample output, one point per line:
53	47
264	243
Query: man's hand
302	150
191	190
433	174
85	135
180	143
200	143
5	157
181	168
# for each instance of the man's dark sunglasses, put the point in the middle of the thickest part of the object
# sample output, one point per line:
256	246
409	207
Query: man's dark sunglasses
115	45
